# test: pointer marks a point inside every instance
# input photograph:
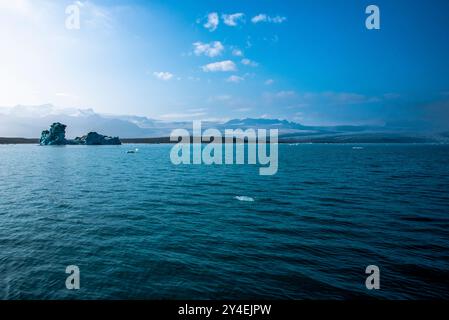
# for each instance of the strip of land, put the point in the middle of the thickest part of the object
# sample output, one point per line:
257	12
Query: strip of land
360	138
18	141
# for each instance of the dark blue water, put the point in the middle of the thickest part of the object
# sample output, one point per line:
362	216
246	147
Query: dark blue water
139	227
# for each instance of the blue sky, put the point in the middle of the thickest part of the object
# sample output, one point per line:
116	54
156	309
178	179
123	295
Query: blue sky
308	61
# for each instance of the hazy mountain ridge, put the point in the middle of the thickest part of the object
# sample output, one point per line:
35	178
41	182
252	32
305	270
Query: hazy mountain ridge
29	121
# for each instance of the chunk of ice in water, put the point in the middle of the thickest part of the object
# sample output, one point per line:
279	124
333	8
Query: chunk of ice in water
244	198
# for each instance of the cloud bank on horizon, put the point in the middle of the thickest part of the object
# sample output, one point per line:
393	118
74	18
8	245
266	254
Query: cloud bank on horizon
307	61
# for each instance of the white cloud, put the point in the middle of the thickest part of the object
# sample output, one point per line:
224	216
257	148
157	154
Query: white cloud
277	19
165	76
235	79
237	53
249	63
223	66
233	19
212	49
212	21
265	18
269	82
259	18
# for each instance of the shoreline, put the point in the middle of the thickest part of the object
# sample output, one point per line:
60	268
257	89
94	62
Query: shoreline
323	140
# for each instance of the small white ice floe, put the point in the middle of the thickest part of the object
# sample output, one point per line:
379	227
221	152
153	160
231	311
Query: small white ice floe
244	198
133	151
357	148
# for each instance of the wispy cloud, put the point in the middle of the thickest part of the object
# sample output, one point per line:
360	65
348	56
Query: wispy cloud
266	18
341	98
165	76
223	66
327	98
235	79
250	63
182	116
212	21
259	18
212	49
232	20
237	52
269	82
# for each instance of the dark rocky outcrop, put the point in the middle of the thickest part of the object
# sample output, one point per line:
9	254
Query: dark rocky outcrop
56	136
95	139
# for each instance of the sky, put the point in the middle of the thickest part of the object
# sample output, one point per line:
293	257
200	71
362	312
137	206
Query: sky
309	61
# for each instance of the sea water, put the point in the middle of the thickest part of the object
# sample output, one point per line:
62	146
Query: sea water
139	227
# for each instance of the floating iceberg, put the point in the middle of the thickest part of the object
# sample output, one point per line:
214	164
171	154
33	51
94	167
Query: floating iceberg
244	198
56	136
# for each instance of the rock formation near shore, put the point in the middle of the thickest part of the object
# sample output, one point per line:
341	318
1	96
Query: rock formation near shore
56	136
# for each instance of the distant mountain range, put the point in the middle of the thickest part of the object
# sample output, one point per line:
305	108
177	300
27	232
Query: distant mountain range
29	121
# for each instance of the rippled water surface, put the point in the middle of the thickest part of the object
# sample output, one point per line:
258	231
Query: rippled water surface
139	227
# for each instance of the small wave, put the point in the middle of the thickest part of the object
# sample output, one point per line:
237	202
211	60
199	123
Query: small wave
244	198
419	219
357	148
